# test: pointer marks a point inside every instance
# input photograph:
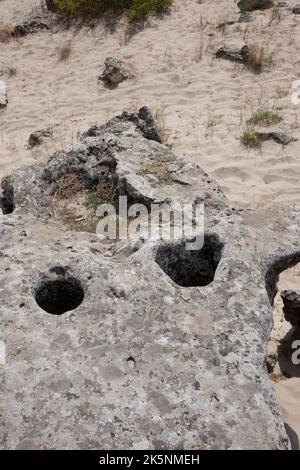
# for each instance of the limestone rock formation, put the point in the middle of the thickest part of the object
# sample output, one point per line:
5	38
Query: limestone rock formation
37	137
30	25
250	5
278	137
3	95
234	54
141	343
114	72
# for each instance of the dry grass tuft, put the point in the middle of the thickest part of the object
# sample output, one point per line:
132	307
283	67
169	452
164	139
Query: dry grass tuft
6	32
259	59
64	51
250	138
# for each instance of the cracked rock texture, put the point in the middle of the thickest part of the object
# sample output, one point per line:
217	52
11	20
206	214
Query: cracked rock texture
114	72
142	362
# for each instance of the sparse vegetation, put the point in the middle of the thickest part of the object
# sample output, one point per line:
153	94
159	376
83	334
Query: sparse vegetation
76	207
212	121
158	168
5	32
64	51
275	15
265	118
137	9
11	72
250	138
259	59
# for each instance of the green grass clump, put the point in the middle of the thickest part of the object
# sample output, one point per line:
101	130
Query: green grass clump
92	201
137	9
264	118
251	139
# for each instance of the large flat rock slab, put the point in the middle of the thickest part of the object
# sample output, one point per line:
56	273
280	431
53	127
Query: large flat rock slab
143	362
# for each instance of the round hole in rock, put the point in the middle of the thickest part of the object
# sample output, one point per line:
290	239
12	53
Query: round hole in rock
191	268
60	295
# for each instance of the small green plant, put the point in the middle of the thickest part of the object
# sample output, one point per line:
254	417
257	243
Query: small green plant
265	118
250	139
92	201
213	121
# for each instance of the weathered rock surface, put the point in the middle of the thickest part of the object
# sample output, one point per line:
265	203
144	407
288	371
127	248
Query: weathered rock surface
30	26
278	137
114	72
250	5
3	95
142	120
37	137
167	347
291	309
234	54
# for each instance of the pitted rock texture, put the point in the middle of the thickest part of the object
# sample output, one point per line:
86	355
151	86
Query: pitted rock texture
234	54
142	362
36	138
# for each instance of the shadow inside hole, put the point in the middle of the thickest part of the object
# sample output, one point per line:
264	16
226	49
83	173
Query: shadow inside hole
7	204
59	296
191	268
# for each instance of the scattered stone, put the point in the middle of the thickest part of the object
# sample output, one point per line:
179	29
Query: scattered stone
278	137
271	361
296	9
3	95
114	72
37	138
234	54
250	5
291	309
29	26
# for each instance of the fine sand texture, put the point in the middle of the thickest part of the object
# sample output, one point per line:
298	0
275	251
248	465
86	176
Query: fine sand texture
201	103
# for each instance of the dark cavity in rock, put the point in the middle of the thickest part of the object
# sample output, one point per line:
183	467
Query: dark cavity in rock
191	268
7	199
60	295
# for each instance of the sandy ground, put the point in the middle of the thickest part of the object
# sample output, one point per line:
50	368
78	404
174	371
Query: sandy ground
201	103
